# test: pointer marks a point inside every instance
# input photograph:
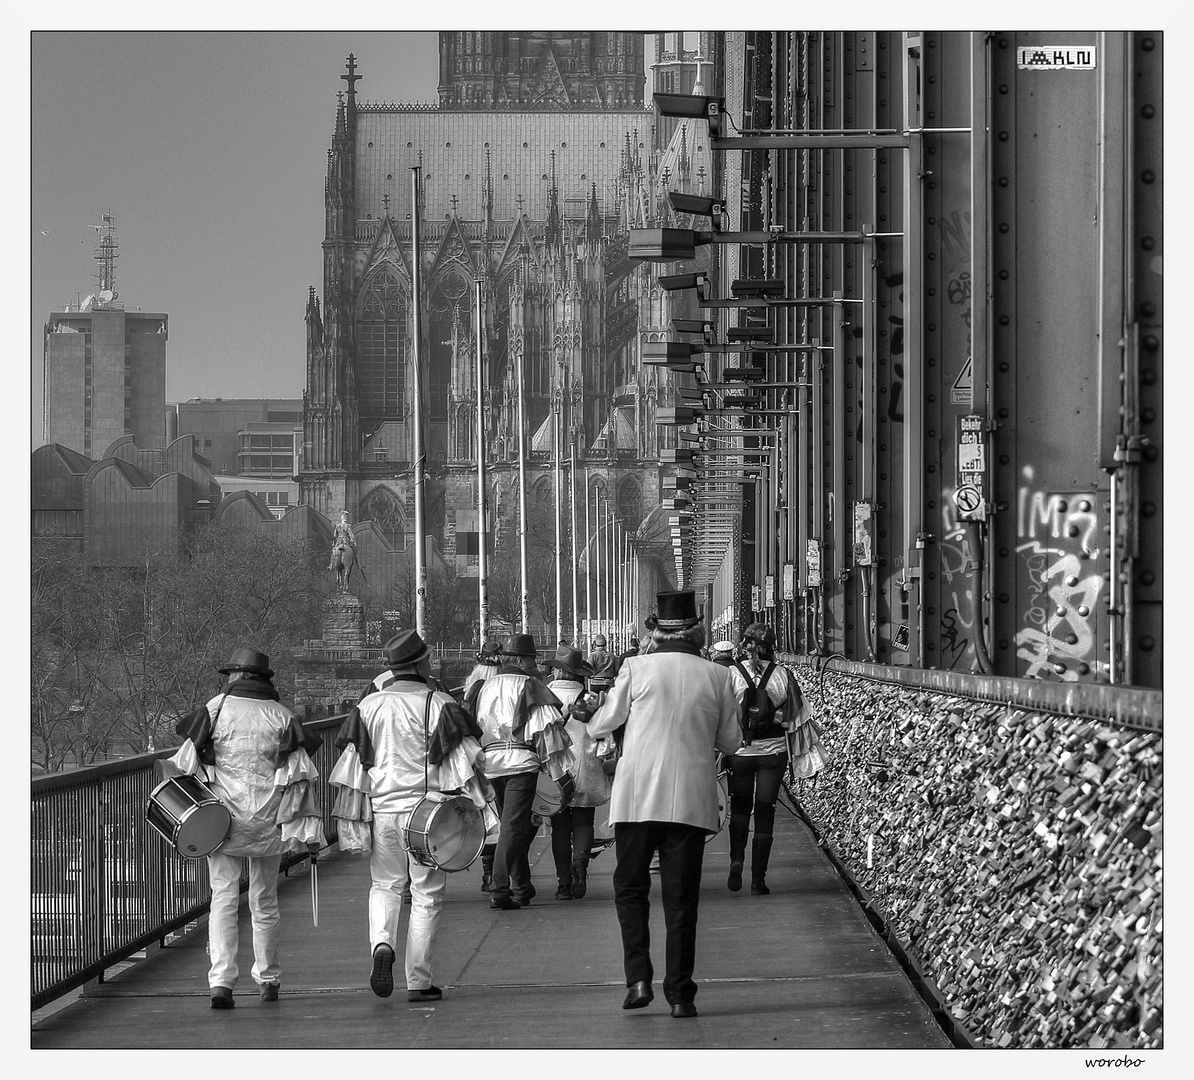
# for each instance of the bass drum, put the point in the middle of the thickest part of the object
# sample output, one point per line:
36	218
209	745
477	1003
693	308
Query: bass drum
185	812
447	833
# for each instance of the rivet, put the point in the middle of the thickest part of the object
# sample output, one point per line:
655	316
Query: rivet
1148	112
1084	506
1148	509
1082	608
1083	669
1071	581
1060	612
1148	243
1148	376
1148	176
1147	577
1059	668
1062	505
1073	530
1072	639
1147	643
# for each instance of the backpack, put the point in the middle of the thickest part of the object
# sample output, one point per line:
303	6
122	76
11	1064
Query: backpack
758	710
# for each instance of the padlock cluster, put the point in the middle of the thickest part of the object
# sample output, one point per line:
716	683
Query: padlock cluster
1014	854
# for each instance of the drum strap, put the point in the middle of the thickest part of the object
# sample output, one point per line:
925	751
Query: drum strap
508	744
426	737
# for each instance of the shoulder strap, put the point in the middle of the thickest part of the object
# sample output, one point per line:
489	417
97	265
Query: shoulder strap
745	674
767	674
426	736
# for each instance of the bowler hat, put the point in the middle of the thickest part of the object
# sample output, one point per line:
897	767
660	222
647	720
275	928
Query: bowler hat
677	610
569	660
250	660
519	645
406	648
488	653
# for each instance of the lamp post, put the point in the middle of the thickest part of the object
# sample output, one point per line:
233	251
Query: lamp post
522	491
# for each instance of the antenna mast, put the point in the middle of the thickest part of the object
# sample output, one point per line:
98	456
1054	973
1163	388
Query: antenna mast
106	256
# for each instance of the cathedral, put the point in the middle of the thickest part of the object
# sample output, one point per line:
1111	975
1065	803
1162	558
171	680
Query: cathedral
541	155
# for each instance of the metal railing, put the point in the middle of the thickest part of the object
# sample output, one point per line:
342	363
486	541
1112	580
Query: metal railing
104	884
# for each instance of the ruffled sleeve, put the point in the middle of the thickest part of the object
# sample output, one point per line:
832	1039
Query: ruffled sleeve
196	726
454	726
352	809
545	729
353	731
299	814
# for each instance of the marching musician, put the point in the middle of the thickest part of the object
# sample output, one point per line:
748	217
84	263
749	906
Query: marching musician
523	733
678	710
485	667
410	739
258	756
572	825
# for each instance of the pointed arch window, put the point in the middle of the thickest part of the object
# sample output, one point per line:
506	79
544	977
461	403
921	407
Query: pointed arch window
451	336
381	346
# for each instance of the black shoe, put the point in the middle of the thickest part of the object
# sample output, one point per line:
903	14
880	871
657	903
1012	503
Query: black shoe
564	892
221	997
638	996
269	991
429	993
580	879
682	1009
734	881
503	903
381	981
758	887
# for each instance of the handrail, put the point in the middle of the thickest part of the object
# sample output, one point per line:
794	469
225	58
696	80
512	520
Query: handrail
103	884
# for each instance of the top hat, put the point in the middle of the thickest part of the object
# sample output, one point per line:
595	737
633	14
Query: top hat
406	648
519	645
569	660
250	660
761	636
677	610
488	653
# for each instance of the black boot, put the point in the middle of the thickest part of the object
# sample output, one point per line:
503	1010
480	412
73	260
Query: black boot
760	853
739	831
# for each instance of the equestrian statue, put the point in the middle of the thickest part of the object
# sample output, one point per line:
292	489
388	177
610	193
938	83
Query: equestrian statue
344	552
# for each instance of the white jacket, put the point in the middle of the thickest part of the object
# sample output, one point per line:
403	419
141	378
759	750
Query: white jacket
679	709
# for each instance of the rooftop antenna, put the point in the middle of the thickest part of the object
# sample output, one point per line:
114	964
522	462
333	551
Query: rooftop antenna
106	255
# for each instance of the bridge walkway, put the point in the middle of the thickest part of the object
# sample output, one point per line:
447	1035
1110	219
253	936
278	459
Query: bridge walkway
801	968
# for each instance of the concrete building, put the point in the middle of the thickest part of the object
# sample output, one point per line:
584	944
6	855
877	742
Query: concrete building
105	367
254	437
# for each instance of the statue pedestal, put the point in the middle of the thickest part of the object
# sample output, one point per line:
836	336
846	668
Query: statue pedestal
344	623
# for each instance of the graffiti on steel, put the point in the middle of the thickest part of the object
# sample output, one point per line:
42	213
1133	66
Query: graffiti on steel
958	564
1057	533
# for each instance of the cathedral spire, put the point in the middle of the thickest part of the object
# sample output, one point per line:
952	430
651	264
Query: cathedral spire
555	232
593	219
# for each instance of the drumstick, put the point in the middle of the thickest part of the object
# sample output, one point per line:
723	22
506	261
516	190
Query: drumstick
315	893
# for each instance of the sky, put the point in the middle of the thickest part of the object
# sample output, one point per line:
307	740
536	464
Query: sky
210	149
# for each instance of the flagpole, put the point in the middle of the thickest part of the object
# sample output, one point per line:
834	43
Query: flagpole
522	492
482	532
420	460
572	535
557	485
588	570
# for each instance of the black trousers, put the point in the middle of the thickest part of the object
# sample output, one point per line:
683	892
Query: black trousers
511	864
571	838
681	852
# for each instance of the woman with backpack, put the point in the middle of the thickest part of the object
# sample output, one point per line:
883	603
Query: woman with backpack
770	706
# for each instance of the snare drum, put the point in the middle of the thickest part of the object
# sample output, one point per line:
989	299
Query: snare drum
446	833
547	797
188	816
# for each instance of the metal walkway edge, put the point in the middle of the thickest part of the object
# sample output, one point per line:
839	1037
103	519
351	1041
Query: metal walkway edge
801	968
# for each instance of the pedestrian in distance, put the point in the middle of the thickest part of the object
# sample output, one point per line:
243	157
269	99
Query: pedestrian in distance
410	739
523	732
257	758
678	711
722	652
770	703
572	825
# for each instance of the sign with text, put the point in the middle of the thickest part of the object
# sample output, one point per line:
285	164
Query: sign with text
972	467
789	581
812	559
769	591
1056	57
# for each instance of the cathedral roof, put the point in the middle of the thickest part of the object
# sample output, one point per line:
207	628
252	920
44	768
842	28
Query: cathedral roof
588	148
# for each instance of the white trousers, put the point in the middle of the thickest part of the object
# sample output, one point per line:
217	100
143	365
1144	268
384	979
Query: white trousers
391	867
222	930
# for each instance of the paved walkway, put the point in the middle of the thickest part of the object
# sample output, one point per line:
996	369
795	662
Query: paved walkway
799	968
